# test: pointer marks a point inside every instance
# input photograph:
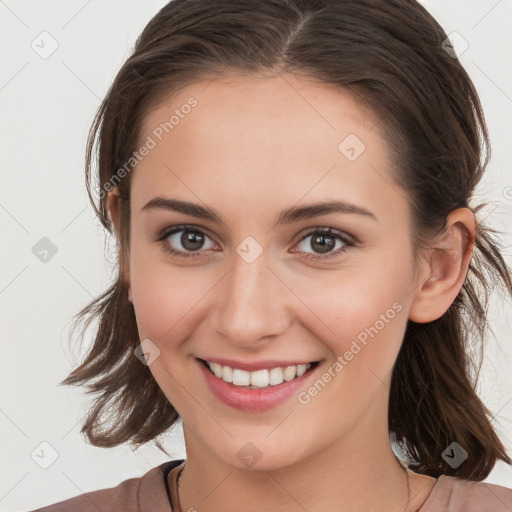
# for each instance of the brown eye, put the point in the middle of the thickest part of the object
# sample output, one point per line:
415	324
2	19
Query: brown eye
324	242
192	241
184	241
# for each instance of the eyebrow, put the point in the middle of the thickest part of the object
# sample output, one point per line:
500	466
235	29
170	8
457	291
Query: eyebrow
289	216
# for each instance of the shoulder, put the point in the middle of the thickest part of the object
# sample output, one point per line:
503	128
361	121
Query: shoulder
147	492
452	494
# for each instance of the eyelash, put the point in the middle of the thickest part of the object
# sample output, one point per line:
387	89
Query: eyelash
348	242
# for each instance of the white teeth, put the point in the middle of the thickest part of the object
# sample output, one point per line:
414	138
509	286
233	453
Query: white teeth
241	377
258	378
227	373
289	373
217	369
301	369
276	376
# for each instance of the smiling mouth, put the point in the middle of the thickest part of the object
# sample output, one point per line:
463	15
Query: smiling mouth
259	379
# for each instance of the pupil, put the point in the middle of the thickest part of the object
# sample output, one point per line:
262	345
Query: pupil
192	241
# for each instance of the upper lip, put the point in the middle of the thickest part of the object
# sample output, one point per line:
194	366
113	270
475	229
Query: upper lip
256	365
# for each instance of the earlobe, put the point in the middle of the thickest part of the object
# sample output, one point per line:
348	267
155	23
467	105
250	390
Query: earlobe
445	268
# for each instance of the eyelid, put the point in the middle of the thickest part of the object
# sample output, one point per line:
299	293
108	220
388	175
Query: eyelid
169	230
348	240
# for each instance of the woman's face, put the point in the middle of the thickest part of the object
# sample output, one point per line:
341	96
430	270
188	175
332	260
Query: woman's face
259	288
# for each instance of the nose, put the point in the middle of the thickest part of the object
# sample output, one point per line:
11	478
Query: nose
253	305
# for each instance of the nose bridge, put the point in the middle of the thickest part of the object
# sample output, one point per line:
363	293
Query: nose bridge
250	307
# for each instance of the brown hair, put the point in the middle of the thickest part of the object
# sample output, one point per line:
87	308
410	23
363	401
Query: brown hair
390	55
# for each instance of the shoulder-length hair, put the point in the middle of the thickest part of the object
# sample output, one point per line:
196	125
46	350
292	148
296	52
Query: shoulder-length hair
392	55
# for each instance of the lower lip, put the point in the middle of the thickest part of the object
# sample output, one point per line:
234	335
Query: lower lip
252	399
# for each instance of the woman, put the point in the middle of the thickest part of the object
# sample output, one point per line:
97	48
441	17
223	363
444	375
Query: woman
301	266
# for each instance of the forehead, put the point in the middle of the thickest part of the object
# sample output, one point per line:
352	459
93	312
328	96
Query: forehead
304	111
246	135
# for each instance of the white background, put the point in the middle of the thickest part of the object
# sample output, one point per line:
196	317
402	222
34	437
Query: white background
47	106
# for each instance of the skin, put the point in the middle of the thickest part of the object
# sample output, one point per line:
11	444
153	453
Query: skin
252	147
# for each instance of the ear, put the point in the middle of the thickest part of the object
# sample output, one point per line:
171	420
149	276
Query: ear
114	210
444	268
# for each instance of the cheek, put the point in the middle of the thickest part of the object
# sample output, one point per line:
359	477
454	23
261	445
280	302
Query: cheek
363	325
166	301
361	313
164	296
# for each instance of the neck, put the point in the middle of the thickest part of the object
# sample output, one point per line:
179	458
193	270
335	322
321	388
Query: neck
357	472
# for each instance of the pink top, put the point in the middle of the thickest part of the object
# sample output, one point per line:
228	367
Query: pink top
150	493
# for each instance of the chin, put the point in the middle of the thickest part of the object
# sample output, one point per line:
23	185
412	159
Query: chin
260	453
